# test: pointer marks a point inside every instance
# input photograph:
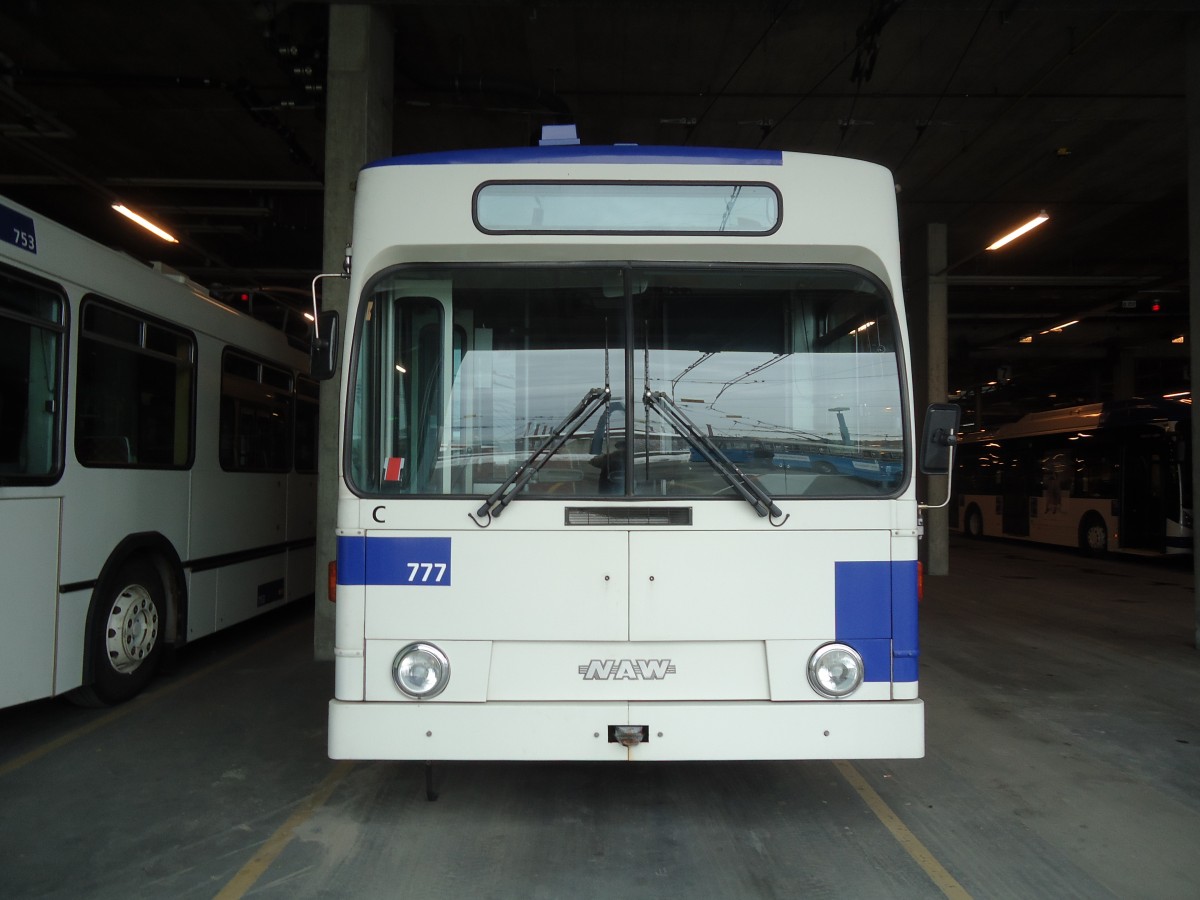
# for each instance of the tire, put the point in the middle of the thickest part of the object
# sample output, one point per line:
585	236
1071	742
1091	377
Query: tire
973	523
128	625
1093	535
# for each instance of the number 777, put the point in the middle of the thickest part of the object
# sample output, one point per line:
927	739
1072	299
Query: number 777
424	571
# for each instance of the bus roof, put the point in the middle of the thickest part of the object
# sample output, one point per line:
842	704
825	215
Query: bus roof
628	154
67	257
1113	414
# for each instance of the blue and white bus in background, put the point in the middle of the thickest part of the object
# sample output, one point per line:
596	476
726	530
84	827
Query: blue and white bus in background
586	392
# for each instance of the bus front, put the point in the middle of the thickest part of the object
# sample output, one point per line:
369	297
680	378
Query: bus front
627	461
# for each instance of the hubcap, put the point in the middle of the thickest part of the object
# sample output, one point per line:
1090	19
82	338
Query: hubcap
132	628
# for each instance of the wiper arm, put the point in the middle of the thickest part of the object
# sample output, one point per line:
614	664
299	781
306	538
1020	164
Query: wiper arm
751	491
584	409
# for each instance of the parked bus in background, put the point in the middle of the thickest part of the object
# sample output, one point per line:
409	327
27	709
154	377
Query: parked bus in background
1102	477
157	465
627	463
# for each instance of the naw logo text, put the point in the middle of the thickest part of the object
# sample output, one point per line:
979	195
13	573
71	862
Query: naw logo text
627	670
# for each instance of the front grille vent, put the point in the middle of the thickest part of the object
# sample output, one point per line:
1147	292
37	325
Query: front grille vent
636	516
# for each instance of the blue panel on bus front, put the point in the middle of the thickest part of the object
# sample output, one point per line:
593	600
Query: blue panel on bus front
876	607
876	656
863	599
623	154
351	560
905	638
410	561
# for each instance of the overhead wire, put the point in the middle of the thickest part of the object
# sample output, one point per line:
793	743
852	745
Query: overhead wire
867	33
921	128
728	81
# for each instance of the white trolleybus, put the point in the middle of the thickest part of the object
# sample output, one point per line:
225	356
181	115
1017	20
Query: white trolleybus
627	462
157	465
1102	477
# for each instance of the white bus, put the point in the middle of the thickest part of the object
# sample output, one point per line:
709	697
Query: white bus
587	506
1102	477
157	465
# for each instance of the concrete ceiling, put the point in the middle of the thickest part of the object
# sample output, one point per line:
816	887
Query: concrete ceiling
208	115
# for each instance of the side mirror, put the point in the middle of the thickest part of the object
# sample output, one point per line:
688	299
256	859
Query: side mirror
940	436
323	353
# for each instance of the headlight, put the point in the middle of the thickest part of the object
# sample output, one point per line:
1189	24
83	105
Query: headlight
421	671
835	670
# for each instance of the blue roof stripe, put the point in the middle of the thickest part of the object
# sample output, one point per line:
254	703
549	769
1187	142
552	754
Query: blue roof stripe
621	154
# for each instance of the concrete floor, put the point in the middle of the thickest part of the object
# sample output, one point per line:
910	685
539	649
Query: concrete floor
1063	760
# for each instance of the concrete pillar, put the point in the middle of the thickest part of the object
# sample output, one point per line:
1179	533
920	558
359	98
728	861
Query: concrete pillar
358	129
937	533
1192	79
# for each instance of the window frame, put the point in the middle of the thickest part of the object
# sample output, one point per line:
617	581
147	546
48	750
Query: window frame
261	365
62	329
658	232
145	321
427	271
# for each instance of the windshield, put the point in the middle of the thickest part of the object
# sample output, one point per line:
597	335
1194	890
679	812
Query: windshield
462	373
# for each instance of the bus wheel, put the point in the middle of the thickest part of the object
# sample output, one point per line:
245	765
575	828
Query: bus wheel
128	624
1093	535
973	522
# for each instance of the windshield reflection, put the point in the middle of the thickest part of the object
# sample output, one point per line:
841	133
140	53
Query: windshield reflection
463	373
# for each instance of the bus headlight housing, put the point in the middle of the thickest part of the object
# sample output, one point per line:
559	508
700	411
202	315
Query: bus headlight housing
835	670
421	671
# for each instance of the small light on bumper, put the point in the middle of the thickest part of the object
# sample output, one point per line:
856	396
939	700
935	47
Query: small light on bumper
835	670
421	671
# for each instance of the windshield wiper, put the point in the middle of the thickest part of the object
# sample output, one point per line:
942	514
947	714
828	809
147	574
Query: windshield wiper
751	491
584	409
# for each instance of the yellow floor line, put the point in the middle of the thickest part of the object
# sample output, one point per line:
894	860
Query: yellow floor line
245	879
918	851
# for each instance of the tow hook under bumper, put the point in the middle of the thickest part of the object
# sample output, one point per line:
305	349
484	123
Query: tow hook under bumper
628	735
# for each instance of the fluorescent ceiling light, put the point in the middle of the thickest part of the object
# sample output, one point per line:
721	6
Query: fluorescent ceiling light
1017	232
1058	328
145	223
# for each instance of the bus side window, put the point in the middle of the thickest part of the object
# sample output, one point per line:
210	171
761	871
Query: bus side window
256	409
134	384
31	338
1095	475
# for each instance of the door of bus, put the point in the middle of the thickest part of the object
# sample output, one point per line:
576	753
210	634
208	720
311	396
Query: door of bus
29	560
1143	514
1015	489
